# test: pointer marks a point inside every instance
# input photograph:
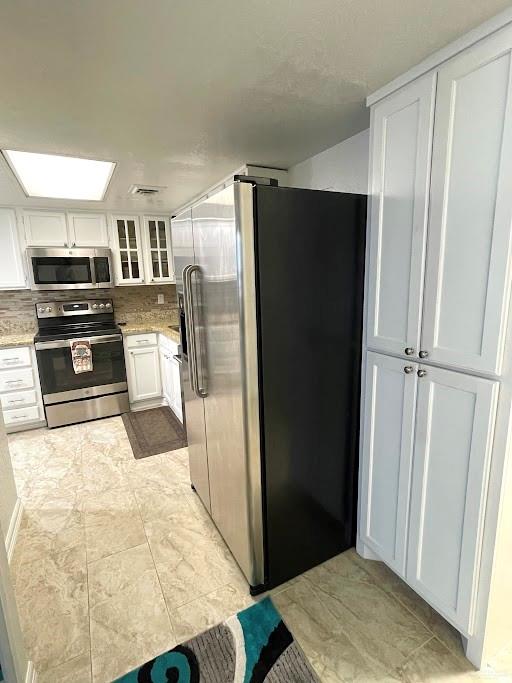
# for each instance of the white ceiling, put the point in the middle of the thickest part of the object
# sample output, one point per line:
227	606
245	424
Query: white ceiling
181	92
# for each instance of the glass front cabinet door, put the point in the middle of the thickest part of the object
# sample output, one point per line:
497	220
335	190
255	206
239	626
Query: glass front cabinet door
157	247
129	253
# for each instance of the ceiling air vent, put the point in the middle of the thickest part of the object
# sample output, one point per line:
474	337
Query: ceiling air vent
145	190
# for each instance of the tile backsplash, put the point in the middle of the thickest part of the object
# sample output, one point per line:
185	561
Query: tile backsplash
131	304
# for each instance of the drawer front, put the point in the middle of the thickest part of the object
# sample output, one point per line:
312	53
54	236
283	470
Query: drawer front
136	341
18	399
21	416
12	358
13	380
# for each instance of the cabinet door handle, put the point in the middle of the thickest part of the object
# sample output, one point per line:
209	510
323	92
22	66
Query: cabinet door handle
408	369
19	417
14	381
409	351
423	354
142	341
422	373
16	400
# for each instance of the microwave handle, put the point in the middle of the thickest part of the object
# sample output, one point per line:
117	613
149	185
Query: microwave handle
99	284
93	272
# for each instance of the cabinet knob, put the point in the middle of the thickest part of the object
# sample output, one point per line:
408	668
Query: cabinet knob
409	351
408	369
422	373
423	354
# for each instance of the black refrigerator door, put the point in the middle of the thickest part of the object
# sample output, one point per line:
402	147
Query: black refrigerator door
310	252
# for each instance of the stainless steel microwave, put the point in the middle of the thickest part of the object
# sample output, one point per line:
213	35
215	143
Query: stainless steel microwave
52	269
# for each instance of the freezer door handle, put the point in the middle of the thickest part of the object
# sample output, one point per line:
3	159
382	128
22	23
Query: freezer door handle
191	328
188	323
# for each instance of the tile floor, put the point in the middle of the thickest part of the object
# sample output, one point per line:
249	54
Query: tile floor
117	561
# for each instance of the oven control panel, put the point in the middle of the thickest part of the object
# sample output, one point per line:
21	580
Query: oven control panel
57	309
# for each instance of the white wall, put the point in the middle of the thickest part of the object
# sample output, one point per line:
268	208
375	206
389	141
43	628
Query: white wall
343	168
8	493
498	633
13	655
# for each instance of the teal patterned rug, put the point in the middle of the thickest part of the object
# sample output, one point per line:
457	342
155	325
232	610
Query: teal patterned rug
254	646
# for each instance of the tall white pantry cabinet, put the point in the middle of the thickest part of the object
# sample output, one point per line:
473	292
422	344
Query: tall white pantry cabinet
437	369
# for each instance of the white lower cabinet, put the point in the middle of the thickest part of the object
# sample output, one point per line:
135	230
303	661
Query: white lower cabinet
455	418
20	393
426	455
171	383
18	399
143	371
165	367
176	403
14	380
390	395
153	372
21	416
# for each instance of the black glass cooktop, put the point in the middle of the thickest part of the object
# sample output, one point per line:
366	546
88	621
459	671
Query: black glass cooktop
77	330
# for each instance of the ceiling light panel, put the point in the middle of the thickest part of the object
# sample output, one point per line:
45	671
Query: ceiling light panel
60	177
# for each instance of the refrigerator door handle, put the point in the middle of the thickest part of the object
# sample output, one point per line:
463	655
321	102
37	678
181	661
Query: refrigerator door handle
191	328
188	324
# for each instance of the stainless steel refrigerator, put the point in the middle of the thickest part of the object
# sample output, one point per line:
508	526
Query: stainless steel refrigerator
270	284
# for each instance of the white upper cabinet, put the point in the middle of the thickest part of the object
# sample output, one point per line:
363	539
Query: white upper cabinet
400	150
467	276
390	396
142	250
128	251
454	429
157	249
12	274
88	229
46	229
61	229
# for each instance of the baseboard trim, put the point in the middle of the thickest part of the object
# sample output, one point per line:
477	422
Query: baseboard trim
14	526
31	676
26	427
145	405
364	551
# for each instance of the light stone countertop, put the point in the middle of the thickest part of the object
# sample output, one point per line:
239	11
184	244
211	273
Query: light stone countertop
147	326
20	339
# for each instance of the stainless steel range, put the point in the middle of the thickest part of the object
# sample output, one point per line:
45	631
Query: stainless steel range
71	397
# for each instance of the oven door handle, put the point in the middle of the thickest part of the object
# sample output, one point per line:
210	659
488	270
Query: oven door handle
61	344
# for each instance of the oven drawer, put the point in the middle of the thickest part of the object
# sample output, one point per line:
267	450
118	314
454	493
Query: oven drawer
140	340
13	380
12	358
21	416
18	399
